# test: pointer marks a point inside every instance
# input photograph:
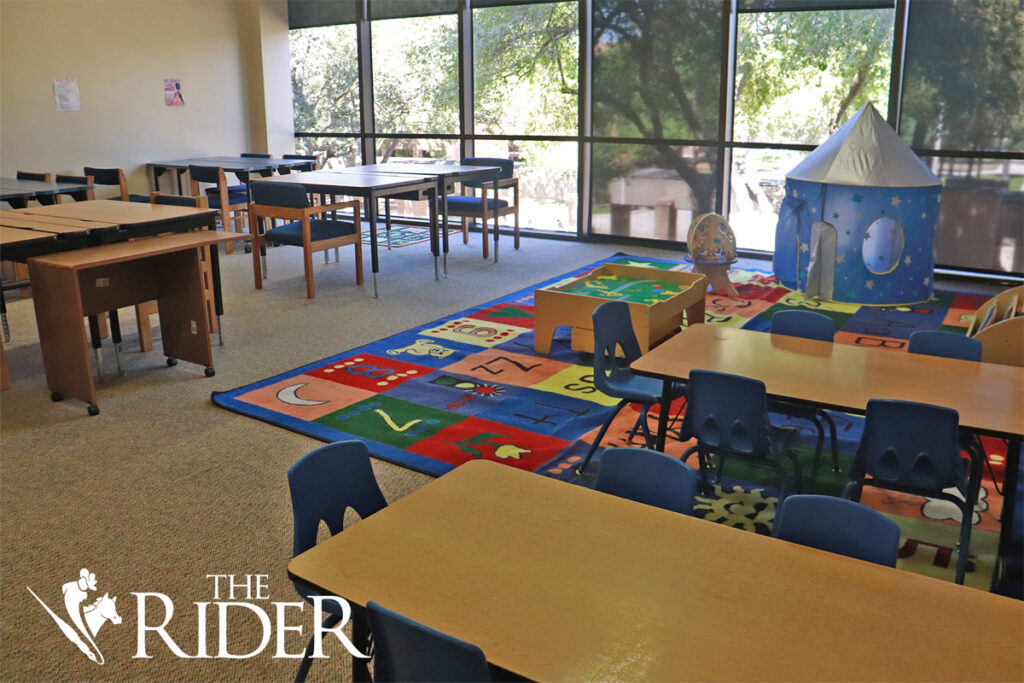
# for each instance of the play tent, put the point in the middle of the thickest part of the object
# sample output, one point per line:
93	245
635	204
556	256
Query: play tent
858	221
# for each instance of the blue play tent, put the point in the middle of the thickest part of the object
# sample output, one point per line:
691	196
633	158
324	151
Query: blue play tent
858	221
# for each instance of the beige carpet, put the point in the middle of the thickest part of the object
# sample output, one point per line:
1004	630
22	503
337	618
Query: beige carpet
162	488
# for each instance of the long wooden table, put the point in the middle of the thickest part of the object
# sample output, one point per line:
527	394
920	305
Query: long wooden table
558	582
988	397
70	285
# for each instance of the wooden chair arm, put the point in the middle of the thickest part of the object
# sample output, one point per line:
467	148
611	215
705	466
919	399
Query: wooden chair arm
337	206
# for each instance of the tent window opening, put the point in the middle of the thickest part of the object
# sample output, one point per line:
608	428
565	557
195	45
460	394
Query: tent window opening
883	246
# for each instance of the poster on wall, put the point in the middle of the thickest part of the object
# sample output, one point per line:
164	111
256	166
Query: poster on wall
65	90
172	93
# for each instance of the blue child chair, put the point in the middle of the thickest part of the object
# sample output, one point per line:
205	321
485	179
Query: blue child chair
648	477
838	526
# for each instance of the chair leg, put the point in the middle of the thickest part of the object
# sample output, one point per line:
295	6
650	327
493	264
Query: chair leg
307	656
818	446
465	230
517	225
833	438
359	263
484	229
307	254
597	440
259	263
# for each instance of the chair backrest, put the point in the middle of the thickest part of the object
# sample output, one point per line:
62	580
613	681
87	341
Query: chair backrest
911	444
256	155
406	650
648	477
838	526
139	198
200	202
613	330
327	481
505	164
728	412
28	175
80	195
279	194
802	323
946	344
244	176
311	166
109	176
206	174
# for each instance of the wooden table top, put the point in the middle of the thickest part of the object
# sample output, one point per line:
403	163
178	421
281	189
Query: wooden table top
107	210
988	397
559	582
133	249
11	236
57	226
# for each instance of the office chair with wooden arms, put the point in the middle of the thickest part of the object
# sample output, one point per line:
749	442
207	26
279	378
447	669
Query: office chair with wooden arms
913	447
614	334
808	325
839	526
406	650
291	203
648	477
231	204
325	483
488	205
728	415
110	176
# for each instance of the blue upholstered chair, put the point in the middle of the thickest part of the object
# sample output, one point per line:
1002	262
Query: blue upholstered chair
232	204
406	650
613	334
77	195
728	415
311	166
325	483
485	207
291	203
648	477
945	344
818	326
838	526
913	447
110	176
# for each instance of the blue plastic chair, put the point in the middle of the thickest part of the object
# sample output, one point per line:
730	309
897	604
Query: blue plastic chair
838	526
109	176
324	483
613	333
913	447
818	326
728	415
485	207
648	477
945	344
290	203
406	650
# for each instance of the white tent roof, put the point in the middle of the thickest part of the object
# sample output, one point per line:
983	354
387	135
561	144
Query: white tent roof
865	151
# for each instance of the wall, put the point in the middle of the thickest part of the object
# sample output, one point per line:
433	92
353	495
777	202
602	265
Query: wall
121	52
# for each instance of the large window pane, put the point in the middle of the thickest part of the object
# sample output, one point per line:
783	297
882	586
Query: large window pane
416	75
547	180
964	76
325	79
526	69
800	75
334	152
657	68
758	186
641	190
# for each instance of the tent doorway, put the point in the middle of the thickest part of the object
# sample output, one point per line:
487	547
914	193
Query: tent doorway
821	270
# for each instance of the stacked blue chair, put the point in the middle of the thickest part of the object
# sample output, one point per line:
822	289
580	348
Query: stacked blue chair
406	650
913	447
613	333
648	477
486	207
838	526
325	483
818	326
728	415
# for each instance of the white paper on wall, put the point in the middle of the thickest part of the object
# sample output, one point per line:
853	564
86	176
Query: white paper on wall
66	92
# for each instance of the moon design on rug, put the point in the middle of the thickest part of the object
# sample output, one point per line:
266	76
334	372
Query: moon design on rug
290	396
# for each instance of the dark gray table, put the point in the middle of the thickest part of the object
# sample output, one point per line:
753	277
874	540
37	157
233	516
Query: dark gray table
231	164
12	188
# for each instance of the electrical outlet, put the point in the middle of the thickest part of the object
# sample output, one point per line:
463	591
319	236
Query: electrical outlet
103	282
195	327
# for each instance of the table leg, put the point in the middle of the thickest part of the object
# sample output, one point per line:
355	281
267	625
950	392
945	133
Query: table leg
157	172
444	223
180	172
497	230
666	406
1009	503
435	247
370	208
361	641
218	300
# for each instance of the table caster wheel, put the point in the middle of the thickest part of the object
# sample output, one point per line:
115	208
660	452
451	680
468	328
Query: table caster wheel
210	372
94	409
171	362
56	396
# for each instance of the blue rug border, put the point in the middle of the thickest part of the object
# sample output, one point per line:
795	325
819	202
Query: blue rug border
227	399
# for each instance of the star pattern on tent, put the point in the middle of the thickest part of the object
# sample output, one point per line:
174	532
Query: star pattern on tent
870	284
907	260
895	201
927	281
924	215
804	247
814	209
840	258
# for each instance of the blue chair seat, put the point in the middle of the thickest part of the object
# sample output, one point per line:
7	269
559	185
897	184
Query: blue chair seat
319	229
233	198
457	202
213	191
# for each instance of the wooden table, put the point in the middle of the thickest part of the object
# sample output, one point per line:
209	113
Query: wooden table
988	397
70	285
133	219
558	582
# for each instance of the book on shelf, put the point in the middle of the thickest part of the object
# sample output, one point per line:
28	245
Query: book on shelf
1011	308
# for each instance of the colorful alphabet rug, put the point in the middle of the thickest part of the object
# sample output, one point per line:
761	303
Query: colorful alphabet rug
406	235
471	386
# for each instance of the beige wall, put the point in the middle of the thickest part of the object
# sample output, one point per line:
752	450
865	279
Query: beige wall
121	52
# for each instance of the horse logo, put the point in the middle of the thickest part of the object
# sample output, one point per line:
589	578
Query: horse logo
86	621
